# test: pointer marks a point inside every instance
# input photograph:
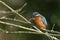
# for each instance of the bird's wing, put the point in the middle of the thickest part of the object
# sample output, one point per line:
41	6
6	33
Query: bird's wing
44	20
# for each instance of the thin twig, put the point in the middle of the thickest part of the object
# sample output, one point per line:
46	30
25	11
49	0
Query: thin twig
54	34
5	12
52	31
22	32
53	27
12	19
2	30
18	10
52	37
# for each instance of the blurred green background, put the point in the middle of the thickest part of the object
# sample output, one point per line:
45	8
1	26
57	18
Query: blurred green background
48	8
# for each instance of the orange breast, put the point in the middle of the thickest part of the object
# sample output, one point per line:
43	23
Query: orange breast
39	23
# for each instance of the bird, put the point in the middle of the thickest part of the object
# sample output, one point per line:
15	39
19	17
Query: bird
39	20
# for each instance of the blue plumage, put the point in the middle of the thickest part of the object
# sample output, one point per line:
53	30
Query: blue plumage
42	17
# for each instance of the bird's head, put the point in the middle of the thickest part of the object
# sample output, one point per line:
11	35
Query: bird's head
35	14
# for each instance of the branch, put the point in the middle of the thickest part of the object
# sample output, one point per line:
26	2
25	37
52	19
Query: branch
5	12
54	34
52	31
2	30
18	10
52	37
29	32
47	34
12	19
53	27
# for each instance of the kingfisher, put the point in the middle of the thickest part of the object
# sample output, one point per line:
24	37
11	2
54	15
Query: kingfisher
39	20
